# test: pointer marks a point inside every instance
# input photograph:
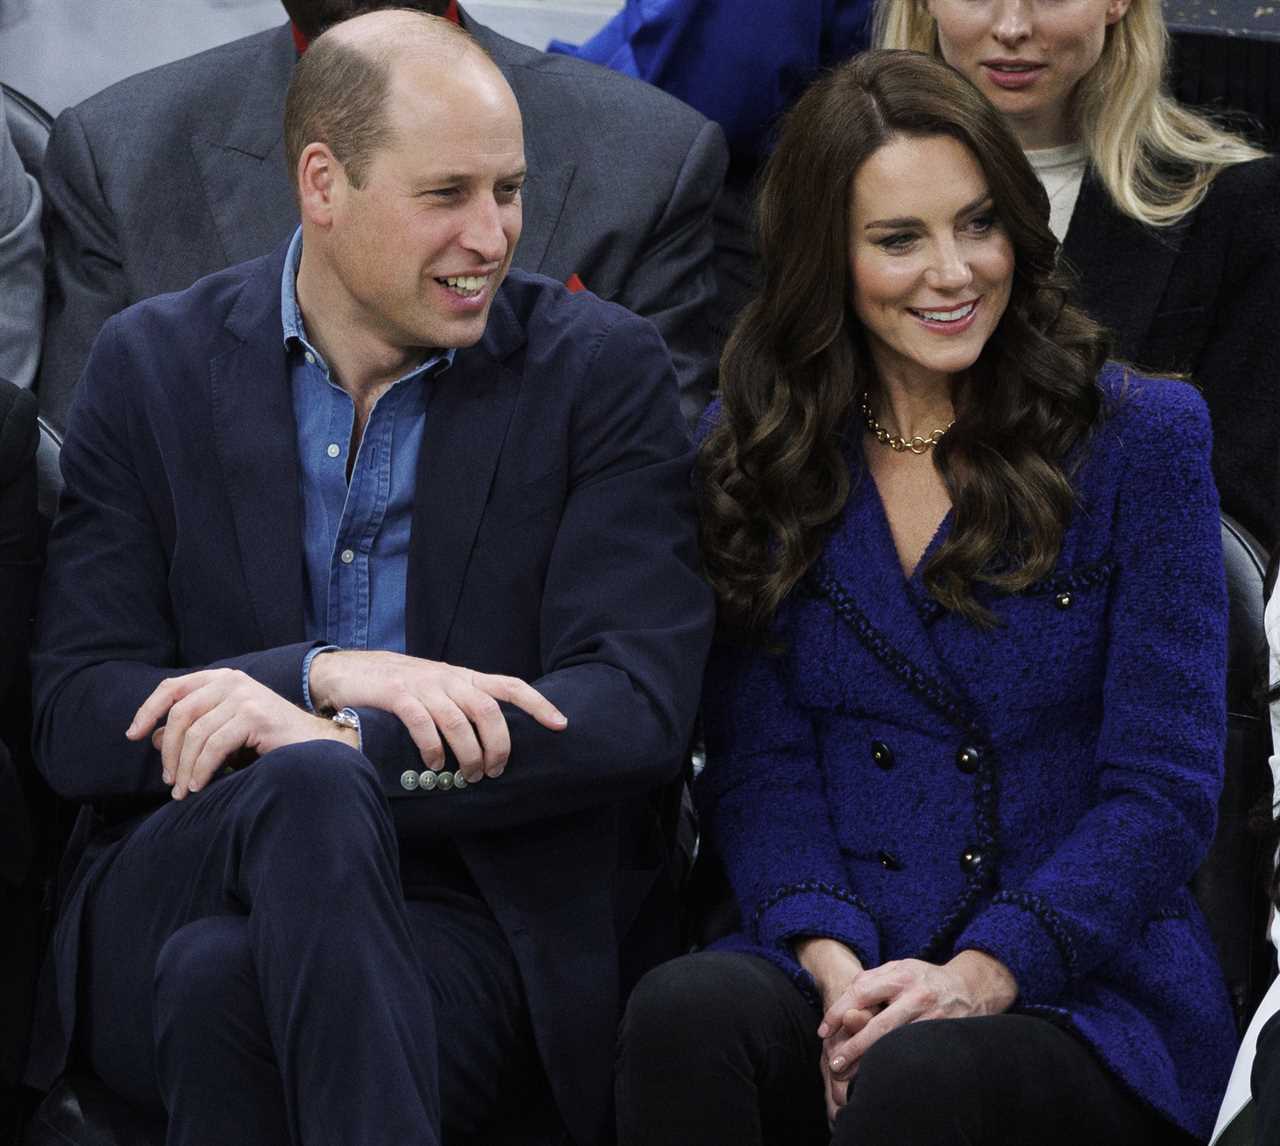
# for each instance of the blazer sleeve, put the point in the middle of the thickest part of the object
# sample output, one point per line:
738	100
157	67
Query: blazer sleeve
106	635
1160	748
87	282
763	809
673	281
625	615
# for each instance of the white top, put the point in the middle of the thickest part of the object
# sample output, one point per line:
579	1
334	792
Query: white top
1061	171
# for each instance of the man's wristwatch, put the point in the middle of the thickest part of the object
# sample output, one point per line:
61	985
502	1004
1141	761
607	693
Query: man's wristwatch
346	718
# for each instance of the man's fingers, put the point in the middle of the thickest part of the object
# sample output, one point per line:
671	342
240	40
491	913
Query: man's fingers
227	738
163	697
490	729
456	728
523	695
411	712
182	716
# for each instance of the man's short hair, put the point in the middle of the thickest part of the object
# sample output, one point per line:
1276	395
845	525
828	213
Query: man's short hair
338	93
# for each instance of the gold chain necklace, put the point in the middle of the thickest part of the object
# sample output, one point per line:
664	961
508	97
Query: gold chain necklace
897	442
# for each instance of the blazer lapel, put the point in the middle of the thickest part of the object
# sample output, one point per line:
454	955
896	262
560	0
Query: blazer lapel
1122	265
255	438
241	167
862	578
467	420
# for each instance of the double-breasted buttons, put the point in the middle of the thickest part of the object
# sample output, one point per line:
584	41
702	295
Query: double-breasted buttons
882	754
1064	600
890	862
968	758
409	781
971	859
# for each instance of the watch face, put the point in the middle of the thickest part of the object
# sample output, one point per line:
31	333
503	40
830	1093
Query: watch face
346	718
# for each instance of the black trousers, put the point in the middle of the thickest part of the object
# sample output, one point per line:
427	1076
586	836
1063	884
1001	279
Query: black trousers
251	963
1264	1084
722	1048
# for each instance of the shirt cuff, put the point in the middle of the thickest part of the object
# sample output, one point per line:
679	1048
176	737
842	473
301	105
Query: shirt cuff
306	672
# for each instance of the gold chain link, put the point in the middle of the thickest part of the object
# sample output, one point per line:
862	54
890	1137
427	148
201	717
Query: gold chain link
896	442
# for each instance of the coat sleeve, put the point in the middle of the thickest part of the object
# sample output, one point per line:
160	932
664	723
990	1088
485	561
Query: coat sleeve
21	265
87	282
764	809
19	564
106	634
1160	747
625	615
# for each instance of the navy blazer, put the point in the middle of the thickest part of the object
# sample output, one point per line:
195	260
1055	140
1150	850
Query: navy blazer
553	539
1043	791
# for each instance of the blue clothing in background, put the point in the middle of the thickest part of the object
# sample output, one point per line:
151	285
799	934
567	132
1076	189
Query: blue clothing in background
355	536
739	62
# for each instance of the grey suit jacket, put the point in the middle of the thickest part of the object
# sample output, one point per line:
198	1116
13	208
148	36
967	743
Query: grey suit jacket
21	265
180	171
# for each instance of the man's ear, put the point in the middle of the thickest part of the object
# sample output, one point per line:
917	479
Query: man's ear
322	183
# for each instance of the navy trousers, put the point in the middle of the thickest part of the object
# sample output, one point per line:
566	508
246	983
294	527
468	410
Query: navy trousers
252	964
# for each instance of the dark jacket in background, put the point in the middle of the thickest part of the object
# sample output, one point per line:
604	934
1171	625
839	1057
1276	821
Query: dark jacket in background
1199	298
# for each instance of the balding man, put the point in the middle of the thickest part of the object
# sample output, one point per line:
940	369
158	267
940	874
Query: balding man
180	171
372	615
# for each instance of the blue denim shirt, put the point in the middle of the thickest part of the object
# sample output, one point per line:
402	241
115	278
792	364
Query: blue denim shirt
355	535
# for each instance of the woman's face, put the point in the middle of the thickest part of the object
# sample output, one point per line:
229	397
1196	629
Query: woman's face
930	263
1026	56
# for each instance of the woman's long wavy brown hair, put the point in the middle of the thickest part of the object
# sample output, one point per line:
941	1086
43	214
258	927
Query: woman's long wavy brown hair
775	469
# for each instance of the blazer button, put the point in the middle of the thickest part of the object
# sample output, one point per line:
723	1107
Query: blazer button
968	759
427	780
890	862
409	781
1064	600
459	780
882	754
444	781
971	859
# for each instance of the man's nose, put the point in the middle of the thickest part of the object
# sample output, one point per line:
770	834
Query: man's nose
484	233
1012	22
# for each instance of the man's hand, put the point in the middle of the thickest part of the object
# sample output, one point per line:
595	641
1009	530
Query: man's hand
432	698
903	991
211	715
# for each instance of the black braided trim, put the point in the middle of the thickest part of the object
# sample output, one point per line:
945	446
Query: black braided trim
805	887
1049	919
1090	577
932	692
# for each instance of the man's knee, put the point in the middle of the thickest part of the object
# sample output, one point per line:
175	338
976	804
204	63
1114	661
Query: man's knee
319	778
203	972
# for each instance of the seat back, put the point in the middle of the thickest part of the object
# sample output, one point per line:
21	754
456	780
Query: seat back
1231	885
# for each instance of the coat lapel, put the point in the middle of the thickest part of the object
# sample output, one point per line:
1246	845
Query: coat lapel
241	159
255	438
1122	265
470	411
862	578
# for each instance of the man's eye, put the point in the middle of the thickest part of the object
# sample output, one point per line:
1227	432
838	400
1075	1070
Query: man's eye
509	191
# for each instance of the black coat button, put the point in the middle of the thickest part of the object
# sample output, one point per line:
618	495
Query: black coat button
968	758
882	754
890	862
1064	600
971	859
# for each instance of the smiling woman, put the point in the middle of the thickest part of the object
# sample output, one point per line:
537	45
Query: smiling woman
964	721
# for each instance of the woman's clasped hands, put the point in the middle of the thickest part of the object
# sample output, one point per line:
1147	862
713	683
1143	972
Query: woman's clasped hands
861	1006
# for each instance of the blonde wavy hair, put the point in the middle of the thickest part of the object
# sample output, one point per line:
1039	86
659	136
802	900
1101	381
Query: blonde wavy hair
1155	157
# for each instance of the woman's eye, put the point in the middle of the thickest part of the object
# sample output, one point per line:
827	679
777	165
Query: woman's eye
981	224
897	242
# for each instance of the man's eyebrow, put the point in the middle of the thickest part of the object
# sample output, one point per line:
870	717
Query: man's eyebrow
911	221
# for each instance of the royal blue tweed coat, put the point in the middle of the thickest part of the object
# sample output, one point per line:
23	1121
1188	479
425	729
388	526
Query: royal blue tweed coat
912	785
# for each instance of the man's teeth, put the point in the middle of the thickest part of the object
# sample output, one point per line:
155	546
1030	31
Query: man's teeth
466	284
948	315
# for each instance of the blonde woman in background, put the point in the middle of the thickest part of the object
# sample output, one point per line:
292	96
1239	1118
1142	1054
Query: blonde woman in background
1171	223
